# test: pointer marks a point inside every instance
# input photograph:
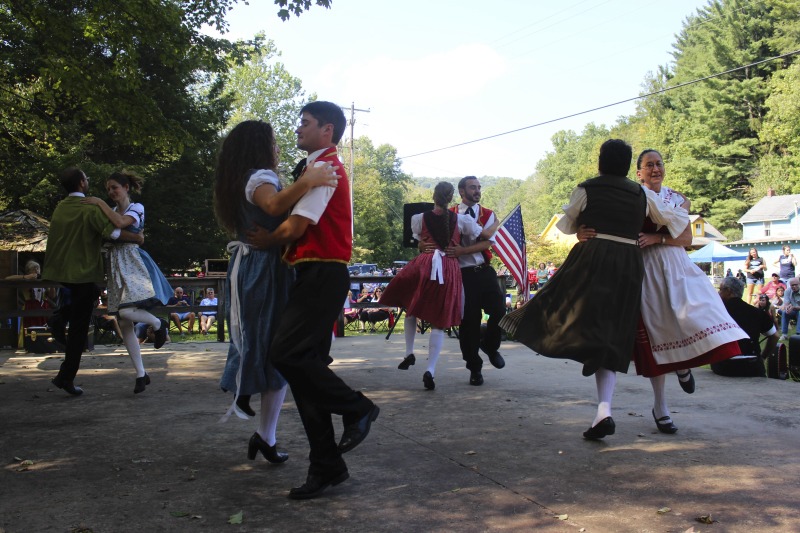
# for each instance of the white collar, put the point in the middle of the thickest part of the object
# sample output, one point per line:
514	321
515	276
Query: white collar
78	194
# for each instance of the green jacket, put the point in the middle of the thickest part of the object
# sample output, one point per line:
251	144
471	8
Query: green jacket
73	244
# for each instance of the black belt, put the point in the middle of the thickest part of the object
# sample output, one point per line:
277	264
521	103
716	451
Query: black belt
476	268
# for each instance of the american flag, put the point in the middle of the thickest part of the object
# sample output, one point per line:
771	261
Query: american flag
510	248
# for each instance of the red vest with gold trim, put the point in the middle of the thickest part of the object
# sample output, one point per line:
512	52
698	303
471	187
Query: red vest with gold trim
330	239
483	218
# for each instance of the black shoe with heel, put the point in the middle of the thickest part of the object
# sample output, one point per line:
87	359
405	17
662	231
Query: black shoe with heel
270	453
141	384
688	385
664	424
407	362
243	403
427	380
603	428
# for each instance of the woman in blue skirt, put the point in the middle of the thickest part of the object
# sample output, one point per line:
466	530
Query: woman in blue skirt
248	194
133	279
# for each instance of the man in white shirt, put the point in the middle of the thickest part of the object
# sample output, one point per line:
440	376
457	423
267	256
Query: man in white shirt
481	289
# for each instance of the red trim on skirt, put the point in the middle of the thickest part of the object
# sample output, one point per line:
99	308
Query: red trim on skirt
646	365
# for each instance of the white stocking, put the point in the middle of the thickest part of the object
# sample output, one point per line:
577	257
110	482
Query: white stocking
410	325
132	345
660	395
271	403
606	381
140	315
434	348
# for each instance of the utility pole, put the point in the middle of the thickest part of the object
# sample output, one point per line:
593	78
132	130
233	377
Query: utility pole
352	125
352	150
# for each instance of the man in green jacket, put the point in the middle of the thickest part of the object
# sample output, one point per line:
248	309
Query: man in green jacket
73	259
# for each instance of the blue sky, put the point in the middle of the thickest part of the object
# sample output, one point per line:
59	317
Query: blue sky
436	73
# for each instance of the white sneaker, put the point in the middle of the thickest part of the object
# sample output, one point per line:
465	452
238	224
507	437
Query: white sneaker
783	338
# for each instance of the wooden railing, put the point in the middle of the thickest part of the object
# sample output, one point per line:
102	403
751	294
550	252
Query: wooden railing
191	286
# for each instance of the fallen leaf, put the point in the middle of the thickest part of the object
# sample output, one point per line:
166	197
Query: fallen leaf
26	462
179	514
455	490
196	517
563	517
664	510
17	458
469	453
705	519
236	518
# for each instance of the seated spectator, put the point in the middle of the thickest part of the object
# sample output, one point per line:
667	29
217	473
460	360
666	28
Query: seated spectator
34	297
353	314
763	304
372	315
179	299
144	332
777	303
108	322
207	318
791	304
770	288
755	323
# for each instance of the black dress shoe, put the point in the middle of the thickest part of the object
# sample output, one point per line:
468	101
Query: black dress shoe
427	379
67	386
357	431
688	385
160	336
407	362
605	427
315	484
475	378
270	453
494	357
141	384
243	403
664	424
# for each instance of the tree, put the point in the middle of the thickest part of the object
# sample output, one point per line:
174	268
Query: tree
262	88
379	189
108	85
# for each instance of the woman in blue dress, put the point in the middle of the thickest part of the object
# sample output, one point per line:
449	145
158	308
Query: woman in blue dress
133	279
248	194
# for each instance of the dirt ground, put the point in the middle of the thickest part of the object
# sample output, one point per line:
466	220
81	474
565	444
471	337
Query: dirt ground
507	456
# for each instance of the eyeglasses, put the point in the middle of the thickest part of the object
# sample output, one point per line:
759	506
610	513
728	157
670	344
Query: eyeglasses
653	164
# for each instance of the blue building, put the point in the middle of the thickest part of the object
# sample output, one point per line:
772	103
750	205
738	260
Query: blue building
768	226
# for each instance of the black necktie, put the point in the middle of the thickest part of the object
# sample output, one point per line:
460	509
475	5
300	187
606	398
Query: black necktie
299	168
470	212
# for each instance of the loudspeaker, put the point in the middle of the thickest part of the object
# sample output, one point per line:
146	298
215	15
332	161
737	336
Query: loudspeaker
794	357
409	210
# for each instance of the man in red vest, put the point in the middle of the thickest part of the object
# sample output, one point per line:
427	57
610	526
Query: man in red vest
481	290
320	238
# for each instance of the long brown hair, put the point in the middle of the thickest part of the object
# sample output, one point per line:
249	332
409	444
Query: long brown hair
126	177
249	146
750	256
441	227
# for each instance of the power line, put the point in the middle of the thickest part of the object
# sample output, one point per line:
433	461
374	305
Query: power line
680	85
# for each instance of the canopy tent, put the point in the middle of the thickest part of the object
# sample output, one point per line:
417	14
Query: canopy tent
714	252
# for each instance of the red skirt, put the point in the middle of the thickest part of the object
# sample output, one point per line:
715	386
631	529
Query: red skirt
441	304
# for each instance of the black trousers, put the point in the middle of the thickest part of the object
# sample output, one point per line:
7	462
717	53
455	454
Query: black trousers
300	351
78	312
481	293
